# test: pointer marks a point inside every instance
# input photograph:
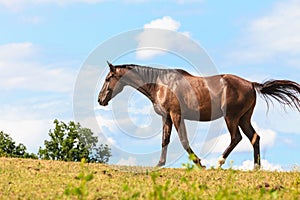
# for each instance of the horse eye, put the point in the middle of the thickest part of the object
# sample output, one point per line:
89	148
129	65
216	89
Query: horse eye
108	78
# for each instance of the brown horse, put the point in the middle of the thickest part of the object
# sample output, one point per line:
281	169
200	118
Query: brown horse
177	95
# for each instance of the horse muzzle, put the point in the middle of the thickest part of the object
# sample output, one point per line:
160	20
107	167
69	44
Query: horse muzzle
104	99
102	102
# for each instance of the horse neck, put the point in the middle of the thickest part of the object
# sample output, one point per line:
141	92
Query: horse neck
142	80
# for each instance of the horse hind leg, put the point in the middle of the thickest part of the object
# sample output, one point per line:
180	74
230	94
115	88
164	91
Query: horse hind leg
232	125
248	130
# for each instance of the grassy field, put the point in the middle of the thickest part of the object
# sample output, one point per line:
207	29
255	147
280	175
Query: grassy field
36	179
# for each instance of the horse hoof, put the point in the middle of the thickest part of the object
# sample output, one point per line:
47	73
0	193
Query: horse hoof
256	167
221	161
160	164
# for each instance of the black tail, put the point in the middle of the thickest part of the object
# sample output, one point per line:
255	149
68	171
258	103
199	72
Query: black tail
284	91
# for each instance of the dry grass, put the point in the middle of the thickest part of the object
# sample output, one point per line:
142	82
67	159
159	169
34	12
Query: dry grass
36	179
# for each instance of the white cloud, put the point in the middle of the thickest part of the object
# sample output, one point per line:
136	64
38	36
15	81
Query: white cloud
220	143
21	70
275	35
131	161
33	94
210	162
265	165
246	165
164	23
111	141
28	121
30	132
280	120
16	51
153	41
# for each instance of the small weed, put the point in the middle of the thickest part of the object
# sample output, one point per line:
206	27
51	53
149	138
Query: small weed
190	165
193	189
131	194
82	190
159	192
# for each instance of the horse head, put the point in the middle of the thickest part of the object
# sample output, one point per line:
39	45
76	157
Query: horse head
112	85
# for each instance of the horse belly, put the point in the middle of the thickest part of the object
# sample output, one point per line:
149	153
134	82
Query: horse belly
203	114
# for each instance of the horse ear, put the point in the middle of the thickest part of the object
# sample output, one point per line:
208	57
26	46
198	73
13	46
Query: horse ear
112	68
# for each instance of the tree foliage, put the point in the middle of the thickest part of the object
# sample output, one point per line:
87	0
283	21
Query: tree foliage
71	142
8	148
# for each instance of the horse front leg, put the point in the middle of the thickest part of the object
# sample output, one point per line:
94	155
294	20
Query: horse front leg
167	129
181	129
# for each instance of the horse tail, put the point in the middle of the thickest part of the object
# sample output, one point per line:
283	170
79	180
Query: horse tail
284	91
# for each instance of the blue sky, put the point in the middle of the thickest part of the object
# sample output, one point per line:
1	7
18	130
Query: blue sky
45	44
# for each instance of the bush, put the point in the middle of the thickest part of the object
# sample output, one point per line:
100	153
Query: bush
8	148
71	142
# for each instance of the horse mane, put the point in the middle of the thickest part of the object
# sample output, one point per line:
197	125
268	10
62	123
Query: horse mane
127	66
183	72
150	74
